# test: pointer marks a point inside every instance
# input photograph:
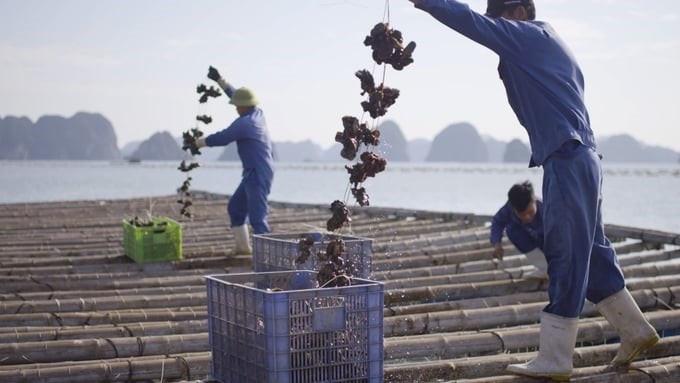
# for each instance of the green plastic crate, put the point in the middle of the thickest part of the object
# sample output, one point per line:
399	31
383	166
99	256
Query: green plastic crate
161	242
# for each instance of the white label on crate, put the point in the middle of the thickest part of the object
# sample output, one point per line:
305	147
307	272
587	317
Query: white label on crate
329	313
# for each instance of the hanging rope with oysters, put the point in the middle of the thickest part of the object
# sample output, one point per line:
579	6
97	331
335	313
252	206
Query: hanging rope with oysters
387	45
387	49
189	139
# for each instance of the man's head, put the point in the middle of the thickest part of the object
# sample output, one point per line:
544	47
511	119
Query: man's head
523	201
511	9
244	99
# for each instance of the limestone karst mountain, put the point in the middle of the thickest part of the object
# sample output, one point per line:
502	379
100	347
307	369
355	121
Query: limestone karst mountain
516	151
84	136
160	146
458	143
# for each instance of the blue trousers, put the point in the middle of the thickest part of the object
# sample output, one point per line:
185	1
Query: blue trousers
581	261
249	202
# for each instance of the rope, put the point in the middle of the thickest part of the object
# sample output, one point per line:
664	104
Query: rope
186	365
497	335
349	280
58	318
140	346
386	14
129	361
162	369
115	349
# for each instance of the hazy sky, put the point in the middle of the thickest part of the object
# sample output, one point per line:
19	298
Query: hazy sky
138	63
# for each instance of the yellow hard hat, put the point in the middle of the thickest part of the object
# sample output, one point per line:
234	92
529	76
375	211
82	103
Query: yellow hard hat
243	97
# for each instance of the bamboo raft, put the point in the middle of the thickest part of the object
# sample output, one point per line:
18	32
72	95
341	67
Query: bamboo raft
74	308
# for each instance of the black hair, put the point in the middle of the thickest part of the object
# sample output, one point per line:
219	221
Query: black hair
520	195
496	8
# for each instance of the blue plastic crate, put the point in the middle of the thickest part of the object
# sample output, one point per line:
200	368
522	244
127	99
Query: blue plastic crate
277	252
277	327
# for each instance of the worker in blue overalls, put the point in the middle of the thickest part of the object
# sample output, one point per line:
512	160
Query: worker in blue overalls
545	89
521	219
249	131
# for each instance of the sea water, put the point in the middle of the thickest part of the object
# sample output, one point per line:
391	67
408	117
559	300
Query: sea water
639	195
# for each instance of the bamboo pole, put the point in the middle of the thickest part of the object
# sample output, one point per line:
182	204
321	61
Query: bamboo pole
118	370
473	303
100	318
483	318
105	303
101	348
657	269
44	284
462	291
451	345
77	294
37	334
489	366
643	234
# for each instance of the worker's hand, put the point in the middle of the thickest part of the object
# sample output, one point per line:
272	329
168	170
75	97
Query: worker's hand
213	73
498	251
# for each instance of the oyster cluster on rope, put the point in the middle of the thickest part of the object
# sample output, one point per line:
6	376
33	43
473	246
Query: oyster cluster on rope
207	92
333	270
379	98
353	135
388	48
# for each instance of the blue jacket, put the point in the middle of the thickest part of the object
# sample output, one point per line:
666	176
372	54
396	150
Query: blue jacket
252	141
525	237
543	82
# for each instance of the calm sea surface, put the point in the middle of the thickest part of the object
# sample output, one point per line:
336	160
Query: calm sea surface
644	196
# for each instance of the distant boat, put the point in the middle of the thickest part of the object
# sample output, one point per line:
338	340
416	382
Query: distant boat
134	160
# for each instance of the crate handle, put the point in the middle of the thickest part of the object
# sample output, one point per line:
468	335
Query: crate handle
160	227
328	313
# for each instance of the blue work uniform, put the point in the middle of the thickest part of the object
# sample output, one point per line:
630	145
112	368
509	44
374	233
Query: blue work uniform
525	237
254	147
545	89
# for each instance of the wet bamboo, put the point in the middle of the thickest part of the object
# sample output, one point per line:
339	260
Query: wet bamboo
462	291
482	318
483	276
472	303
101	348
638	271
100	318
54	279
441	256
77	294
488	366
105	303
461	320
166	368
643	234
44	284
458	268
33	334
494	341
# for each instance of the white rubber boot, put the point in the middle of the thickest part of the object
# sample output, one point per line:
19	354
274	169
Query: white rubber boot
635	332
555	350
537	258
242	240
